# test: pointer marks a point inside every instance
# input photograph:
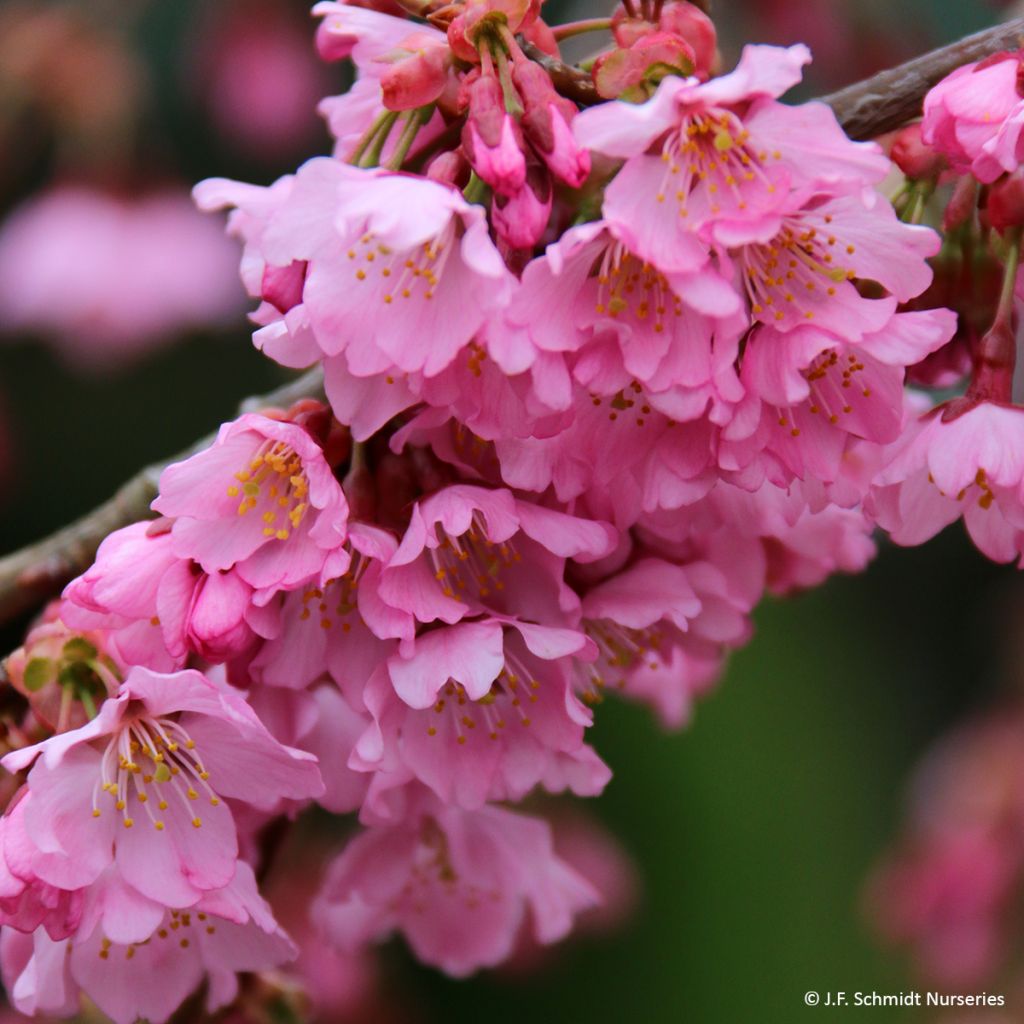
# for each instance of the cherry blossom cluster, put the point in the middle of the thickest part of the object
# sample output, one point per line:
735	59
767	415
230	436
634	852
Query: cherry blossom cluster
598	376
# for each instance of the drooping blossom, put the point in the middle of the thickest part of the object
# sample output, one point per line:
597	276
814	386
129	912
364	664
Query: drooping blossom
155	608
135	964
144	786
710	161
457	884
947	467
975	115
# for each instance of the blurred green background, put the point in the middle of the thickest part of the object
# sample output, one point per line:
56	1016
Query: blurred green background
754	829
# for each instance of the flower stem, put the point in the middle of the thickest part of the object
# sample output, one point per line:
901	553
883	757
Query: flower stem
415	120
382	123
65	708
995	358
371	158
88	703
577	28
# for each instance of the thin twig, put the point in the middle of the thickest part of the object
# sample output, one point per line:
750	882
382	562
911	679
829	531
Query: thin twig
35	573
865	110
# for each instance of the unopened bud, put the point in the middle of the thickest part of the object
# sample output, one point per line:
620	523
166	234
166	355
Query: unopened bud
1005	206
418	75
520	220
491	138
914	157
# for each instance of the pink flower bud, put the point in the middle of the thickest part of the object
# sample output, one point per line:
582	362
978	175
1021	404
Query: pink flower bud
1005	208
634	74
683	20
521	219
419	74
913	157
450	167
492	139
546	122
961	204
282	286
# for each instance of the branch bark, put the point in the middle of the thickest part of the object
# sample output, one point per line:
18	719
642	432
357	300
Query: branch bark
891	98
865	110
35	573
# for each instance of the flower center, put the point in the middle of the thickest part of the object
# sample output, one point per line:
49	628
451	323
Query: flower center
154	752
986	496
794	272
620	649
506	702
406	274
630	286
275	485
335	602
176	927
471	565
712	149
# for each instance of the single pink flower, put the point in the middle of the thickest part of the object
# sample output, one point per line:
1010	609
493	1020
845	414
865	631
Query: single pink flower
391	259
975	115
482	711
457	884
155	607
261	500
969	466
805	267
491	138
719	152
341	629
469	549
819	390
143	785
134	973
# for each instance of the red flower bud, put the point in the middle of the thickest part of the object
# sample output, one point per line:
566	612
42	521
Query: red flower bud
913	157
1005	206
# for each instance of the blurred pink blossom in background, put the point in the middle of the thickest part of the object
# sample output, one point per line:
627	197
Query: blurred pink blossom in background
108	278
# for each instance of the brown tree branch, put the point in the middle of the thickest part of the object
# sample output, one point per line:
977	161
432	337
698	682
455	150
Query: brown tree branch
35	573
865	110
891	98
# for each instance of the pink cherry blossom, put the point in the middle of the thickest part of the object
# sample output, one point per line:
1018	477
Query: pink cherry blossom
698	154
261	500
390	265
108	279
166	606
975	115
483	711
143	786
132	972
469	549
662	631
457	884
946	467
